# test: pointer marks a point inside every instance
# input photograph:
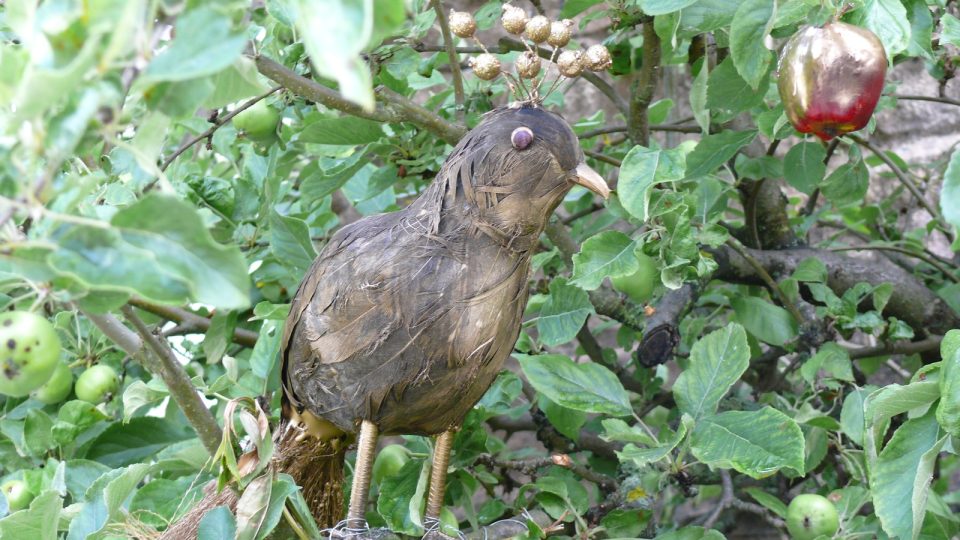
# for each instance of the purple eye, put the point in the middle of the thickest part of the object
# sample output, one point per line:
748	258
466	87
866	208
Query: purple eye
521	138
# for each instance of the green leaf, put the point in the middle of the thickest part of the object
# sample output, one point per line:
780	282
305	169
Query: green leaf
811	270
767	322
239	81
616	429
160	249
714	150
847	184
575	7
564	312
698	97
567	421
641	169
900	479
122	444
204	44
38	432
219	334
252	507
832	359
586	387
769	501
950	32
728	94
334	34
950	192
888	20
642	456
948	412
716	362
661	7
39	522
217	524
895	399
755	443
319	182
343	130
803	166
691	533
750	27
607	254
290	242
402	497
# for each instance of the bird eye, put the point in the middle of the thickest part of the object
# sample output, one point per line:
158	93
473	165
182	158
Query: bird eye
521	138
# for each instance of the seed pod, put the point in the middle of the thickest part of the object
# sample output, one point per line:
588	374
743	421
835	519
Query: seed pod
514	19
538	29
528	65
485	66
830	78
570	63
597	58
560	32
462	24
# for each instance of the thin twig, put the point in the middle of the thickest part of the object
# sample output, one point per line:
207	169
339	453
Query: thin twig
216	125
604	158
241	336
907	182
726	499
179	384
451	51
765	277
622	129
934	99
393	107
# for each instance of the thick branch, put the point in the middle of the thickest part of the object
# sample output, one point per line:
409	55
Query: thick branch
394	108
182	391
661	334
179	385
911	301
241	336
645	85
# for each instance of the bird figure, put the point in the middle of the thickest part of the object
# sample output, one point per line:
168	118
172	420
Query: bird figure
404	319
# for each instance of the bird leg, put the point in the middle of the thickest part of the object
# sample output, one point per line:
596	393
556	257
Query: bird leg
438	479
366	453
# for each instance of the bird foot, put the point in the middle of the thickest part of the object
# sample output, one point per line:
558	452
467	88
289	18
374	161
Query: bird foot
433	531
347	529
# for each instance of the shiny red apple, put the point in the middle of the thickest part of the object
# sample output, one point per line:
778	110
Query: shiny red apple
830	78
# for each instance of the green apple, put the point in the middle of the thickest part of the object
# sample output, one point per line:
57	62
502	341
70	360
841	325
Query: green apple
57	388
389	462
18	497
258	121
811	515
97	384
639	285
29	352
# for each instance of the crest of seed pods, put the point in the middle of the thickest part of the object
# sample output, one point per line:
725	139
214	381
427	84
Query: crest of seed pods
532	31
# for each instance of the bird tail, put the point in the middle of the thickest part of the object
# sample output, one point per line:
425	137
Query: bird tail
316	465
313	458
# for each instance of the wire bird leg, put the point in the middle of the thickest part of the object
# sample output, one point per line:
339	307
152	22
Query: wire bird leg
355	525
438	481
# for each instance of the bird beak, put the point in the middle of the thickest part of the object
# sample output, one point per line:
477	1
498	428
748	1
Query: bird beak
588	178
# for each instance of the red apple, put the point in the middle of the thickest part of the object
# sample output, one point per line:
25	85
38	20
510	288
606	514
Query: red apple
830	78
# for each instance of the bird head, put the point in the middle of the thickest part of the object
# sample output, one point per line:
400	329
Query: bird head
515	167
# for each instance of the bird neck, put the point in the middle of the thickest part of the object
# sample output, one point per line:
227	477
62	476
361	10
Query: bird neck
452	206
